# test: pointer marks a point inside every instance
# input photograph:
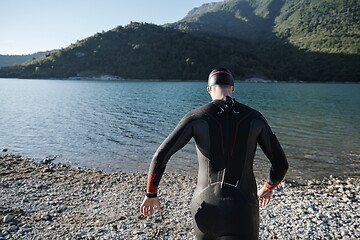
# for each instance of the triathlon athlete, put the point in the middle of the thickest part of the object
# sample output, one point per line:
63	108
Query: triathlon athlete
225	204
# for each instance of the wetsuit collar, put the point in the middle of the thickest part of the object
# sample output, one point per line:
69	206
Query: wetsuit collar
225	105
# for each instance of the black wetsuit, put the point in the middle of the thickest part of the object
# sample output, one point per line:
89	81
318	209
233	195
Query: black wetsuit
226	133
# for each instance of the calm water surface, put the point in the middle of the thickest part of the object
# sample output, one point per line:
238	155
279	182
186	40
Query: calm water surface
117	125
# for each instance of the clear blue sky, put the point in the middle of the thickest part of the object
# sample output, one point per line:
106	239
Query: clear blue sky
29	26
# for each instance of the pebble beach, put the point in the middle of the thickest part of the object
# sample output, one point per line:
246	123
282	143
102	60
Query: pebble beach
45	200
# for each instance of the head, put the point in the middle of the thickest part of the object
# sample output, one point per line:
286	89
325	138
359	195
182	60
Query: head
220	83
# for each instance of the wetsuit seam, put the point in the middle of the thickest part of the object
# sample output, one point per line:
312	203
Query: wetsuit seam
247	150
223	176
166	158
202	190
205	188
268	141
236	131
187	117
221	131
209	178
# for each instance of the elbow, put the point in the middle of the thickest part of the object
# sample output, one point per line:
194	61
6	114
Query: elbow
159	158
159	155
286	166
282	163
283	166
279	170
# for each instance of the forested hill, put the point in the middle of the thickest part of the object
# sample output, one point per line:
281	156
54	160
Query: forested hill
331	26
308	40
8	60
143	51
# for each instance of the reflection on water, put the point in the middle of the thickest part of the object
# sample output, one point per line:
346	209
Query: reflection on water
118	125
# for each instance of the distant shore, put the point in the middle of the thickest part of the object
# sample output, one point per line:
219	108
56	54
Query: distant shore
55	201
244	80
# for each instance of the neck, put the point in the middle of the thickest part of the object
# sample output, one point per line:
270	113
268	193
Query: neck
220	92
220	97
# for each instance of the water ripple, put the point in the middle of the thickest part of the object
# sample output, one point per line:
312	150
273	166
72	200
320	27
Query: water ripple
118	125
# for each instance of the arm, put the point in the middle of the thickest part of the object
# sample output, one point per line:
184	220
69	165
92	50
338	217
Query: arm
174	142
279	165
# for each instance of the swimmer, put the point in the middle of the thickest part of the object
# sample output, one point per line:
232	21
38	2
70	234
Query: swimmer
225	203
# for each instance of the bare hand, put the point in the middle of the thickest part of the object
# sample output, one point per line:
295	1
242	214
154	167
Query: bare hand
264	195
147	206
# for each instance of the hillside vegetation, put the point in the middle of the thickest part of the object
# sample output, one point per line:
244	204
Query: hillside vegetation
308	40
8	60
142	51
321	25
331	26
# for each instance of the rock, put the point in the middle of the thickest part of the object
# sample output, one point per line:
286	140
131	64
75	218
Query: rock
8	218
61	209
4	150
115	227
13	223
48	159
324	209
123	227
27	228
41	186
81	234
46	217
48	170
14	228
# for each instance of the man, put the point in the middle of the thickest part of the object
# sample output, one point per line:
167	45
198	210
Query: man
225	204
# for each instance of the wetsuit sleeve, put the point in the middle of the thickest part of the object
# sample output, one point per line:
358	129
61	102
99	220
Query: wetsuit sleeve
274	152
174	142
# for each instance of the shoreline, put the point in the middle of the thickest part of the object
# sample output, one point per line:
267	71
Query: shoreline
245	80
54	201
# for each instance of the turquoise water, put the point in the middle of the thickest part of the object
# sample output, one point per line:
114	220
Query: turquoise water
117	125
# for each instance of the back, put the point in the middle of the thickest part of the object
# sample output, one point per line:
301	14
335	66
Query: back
226	135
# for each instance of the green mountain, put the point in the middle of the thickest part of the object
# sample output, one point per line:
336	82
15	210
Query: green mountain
141	51
8	60
321	25
309	40
331	26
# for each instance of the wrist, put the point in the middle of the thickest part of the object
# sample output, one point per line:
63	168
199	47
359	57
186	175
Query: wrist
151	195
271	186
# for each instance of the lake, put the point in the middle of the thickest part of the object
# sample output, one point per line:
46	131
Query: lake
118	125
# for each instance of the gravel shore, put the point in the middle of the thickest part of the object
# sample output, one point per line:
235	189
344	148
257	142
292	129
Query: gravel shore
54	201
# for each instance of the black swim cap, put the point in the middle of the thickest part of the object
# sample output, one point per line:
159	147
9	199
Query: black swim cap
220	76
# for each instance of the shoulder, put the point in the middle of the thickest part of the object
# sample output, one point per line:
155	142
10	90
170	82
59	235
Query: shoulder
250	111
244	108
204	108
199	112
